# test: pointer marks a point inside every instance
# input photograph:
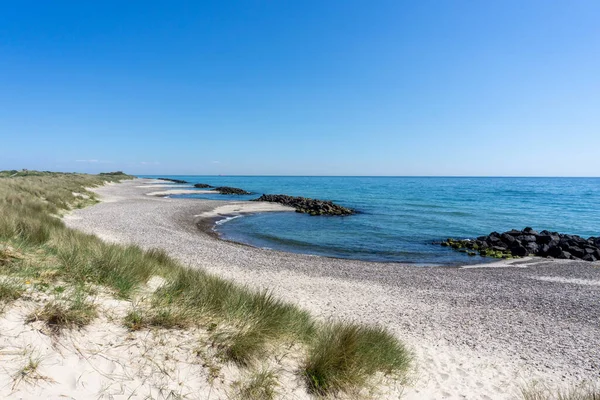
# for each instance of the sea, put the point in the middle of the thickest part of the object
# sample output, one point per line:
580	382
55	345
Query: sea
403	219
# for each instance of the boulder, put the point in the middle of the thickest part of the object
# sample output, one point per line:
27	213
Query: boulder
514	232
518	250
202	186
532	247
577	251
564	255
526	238
547	238
543	250
508	239
530	231
555	251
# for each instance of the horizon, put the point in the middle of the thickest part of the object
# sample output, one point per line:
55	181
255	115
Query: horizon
433	89
372	176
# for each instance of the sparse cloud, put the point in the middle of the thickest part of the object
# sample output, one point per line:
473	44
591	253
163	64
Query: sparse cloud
216	162
149	162
88	161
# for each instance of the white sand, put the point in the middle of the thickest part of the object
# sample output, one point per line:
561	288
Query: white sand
244	208
105	360
181	191
165	185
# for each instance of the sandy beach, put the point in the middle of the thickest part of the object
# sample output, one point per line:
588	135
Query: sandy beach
481	332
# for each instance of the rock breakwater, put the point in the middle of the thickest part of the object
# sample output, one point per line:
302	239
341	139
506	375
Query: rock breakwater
528	242
307	205
172	180
230	190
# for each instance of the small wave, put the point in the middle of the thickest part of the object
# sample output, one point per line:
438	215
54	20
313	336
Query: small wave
222	221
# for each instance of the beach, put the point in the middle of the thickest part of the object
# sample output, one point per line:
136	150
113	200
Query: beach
478	332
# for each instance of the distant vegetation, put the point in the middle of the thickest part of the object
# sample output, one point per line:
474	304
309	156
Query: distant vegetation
245	326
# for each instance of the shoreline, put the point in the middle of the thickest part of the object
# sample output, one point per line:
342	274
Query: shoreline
476	331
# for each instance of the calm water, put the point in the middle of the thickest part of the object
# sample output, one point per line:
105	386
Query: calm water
401	216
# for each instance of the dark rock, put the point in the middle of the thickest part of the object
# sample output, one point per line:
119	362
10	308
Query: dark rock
202	185
500	248
547	238
543	250
230	190
526	238
514	232
172	180
529	242
323	207
530	231
577	251
532	247
564	255
555	251
519	250
508	239
494	240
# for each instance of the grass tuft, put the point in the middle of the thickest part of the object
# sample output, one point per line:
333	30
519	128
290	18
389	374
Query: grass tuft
10	291
59	314
583	391
259	385
346	356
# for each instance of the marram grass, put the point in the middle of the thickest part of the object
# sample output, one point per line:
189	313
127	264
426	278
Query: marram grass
245	325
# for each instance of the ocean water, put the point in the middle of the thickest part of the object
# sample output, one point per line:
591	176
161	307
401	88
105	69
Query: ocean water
401	217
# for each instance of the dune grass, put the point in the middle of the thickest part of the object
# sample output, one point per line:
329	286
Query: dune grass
66	313
258	385
10	291
583	391
345	356
245	325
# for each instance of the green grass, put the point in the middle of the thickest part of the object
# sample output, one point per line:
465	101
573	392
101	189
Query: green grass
10	291
584	391
60	314
245	325
258	385
345	356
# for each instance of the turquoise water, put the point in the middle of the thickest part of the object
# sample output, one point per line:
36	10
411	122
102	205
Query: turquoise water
400	217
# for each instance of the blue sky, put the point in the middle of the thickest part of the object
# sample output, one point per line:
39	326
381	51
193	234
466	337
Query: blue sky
302	88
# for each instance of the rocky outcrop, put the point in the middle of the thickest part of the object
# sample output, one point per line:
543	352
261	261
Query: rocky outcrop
230	190
202	186
172	180
529	242
306	205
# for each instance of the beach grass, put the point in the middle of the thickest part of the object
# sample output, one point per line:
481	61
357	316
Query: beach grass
260	384
583	391
76	311
344	356
10	291
244	325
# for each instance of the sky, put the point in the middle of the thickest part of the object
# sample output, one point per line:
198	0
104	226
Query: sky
498	88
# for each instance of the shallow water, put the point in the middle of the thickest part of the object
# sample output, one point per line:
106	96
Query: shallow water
400	217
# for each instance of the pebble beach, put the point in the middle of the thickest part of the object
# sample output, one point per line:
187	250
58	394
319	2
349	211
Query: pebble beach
477	332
